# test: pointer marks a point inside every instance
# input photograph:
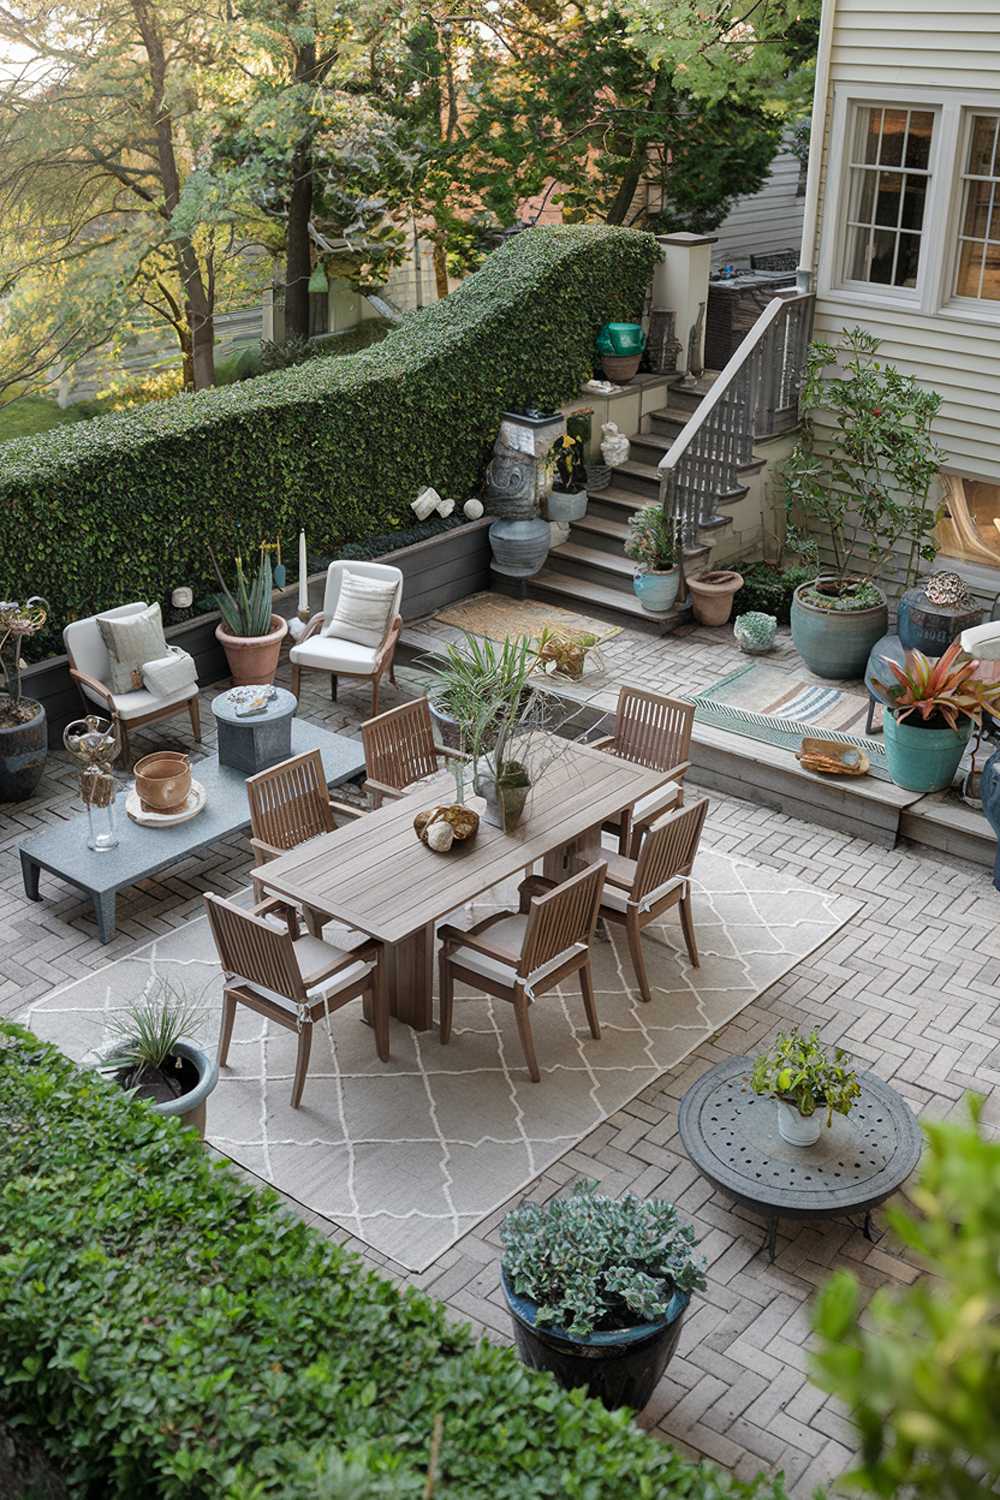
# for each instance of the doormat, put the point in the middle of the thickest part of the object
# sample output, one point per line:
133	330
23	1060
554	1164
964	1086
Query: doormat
499	618
777	708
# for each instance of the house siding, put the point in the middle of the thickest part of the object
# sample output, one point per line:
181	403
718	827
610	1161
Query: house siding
765	221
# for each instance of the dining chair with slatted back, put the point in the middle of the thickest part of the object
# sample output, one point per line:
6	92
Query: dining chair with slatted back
652	731
639	891
518	956
400	749
292	981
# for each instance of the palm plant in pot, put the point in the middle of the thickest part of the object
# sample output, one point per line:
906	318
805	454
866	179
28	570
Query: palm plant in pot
249	633
932	707
23	735
597	1288
807	1080
155	1054
652	544
861	483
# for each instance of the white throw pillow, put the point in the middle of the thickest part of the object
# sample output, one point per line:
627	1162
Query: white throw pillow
364	610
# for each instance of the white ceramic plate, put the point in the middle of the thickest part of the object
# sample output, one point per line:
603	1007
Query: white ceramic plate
196	799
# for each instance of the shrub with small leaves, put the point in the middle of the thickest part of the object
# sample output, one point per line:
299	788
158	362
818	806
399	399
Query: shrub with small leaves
593	1263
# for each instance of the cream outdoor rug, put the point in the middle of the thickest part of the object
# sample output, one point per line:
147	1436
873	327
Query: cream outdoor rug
497	617
410	1155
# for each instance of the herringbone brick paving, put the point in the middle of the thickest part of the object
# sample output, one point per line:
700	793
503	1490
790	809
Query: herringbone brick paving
909	986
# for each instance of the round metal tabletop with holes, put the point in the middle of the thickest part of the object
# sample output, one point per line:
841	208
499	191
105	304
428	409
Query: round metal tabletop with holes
731	1135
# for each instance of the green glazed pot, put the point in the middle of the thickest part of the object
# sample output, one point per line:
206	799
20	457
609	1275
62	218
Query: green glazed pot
836	642
921	759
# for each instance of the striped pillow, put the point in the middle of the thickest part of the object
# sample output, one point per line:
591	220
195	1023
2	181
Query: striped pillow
364	610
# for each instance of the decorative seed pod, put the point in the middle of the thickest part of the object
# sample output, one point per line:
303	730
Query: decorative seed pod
462	821
947	589
439	836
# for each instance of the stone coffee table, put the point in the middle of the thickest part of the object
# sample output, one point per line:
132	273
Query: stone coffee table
141	852
732	1137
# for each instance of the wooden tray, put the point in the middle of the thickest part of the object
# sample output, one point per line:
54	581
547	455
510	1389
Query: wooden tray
829	758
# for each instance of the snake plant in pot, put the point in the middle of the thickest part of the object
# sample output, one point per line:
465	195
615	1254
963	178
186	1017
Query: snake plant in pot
932	707
249	633
807	1081
597	1288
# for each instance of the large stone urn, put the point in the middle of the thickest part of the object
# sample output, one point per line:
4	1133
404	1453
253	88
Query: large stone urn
519	480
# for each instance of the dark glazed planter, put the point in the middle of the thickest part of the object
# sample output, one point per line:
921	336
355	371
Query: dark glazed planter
23	752
989	787
836	642
189	1107
619	1368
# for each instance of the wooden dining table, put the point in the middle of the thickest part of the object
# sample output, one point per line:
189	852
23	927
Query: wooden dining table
375	875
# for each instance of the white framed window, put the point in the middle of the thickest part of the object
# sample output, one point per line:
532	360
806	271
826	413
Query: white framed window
977	244
887	190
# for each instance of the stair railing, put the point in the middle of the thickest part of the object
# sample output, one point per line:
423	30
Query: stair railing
755	396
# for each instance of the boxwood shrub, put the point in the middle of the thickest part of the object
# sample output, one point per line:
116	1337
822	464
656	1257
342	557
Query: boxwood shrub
167	1329
126	506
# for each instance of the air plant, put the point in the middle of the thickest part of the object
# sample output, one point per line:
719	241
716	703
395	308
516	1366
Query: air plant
247	613
948	688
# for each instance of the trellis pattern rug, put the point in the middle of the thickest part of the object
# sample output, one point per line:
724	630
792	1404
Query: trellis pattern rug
410	1155
764	703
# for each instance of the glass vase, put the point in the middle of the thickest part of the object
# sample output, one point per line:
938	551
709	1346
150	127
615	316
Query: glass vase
103	827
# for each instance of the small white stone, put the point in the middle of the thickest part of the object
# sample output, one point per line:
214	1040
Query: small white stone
473	509
440	836
445	508
427	501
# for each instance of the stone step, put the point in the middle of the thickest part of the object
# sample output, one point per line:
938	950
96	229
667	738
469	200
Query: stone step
615	503
608	569
644	479
604	603
597	531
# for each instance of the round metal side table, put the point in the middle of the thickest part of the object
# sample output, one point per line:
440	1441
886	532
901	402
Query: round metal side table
731	1135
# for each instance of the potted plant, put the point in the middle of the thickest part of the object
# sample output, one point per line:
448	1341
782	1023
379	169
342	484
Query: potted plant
466	675
567	500
156	1057
862	481
23	730
712	595
249	633
597	1288
805	1078
651	545
932	706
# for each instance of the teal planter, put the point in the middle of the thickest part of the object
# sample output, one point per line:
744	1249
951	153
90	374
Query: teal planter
836	642
657	592
621	338
920	759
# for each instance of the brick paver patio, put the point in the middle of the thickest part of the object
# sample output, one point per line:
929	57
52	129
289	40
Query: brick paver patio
910	986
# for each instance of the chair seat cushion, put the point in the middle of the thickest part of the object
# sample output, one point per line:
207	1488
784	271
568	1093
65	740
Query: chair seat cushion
614	897
135	705
665	797
506	934
334	655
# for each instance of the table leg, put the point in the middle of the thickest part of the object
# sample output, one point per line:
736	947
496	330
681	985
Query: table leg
867	1228
560	863
772	1234
105	904
29	874
410	978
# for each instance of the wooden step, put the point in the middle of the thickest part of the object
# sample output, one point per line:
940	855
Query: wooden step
596	531
616	503
644	479
609	569
605	603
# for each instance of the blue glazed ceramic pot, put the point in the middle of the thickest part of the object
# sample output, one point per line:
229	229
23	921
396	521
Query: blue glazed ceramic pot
990	790
920	759
836	642
657	592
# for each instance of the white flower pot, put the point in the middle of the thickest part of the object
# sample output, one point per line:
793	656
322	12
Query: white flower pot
796	1129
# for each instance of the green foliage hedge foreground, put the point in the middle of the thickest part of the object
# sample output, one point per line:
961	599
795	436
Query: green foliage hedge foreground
126	506
168	1330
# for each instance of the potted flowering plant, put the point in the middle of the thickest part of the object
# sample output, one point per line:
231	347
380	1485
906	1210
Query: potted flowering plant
932	708
597	1287
23	736
652	545
805	1079
567	500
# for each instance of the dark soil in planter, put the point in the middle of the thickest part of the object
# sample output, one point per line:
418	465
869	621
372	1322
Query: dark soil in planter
12	716
845	595
160	1085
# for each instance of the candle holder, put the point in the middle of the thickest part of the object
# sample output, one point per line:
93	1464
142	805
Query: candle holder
94	744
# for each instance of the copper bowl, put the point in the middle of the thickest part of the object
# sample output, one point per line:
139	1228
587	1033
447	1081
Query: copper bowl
163	781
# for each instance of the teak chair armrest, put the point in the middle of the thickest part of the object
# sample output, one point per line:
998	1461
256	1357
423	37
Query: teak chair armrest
388	646
536	885
365	951
275	904
315	624
269	851
602	743
382	788
451	754
94	683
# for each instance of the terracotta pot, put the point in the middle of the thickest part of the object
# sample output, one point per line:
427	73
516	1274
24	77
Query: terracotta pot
163	780
619	367
712	595
253	659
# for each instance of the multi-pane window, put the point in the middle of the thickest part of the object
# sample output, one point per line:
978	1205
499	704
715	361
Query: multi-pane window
978	273
889	174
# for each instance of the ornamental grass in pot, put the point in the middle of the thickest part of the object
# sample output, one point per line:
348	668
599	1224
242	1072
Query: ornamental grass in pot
156	1057
652	546
807	1080
23	732
250	633
861	487
932	707
597	1288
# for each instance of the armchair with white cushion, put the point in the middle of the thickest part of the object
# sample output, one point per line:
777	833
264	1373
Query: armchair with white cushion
322	649
90	669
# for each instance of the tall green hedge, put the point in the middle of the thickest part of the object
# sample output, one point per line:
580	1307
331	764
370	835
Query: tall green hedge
125	507
167	1330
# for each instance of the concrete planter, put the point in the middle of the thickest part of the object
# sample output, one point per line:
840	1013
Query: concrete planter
253	660
520	547
566	507
836	642
23	752
189	1107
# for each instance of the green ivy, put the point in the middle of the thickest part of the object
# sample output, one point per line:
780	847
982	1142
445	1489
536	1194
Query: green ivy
168	1330
127	506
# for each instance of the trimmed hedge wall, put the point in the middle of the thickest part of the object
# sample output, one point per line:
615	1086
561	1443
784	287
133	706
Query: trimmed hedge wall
168	1330
125	507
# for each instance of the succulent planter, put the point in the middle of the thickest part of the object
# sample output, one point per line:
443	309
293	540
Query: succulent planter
755	631
564	506
619	1368
922	759
712	595
200	1072
836	642
23	753
795	1128
253	660
657	592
